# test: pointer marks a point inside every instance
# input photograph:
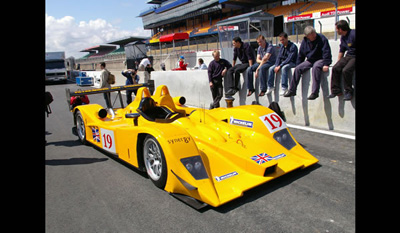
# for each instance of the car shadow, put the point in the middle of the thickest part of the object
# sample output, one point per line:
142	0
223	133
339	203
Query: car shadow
114	157
67	143
264	189
73	161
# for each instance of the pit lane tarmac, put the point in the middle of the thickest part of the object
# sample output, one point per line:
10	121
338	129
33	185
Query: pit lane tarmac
88	191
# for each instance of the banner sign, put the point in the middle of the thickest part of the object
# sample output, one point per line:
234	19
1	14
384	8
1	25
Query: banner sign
339	11
299	17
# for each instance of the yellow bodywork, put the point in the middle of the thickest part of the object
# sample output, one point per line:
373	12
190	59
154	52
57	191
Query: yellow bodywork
226	139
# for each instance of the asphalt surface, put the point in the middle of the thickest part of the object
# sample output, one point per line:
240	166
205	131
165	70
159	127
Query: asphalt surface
89	191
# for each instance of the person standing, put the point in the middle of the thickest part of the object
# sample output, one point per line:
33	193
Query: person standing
216	70
244	52
315	47
131	78
345	65
145	65
265	59
284	62
104	83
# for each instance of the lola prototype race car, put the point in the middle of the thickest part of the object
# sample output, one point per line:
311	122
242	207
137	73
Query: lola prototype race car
199	156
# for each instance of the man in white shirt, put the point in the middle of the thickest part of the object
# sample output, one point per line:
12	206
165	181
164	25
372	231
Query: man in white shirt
145	63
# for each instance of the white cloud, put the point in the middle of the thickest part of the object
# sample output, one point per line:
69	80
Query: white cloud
67	35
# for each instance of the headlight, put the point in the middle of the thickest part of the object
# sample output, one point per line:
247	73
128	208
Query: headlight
195	166
284	138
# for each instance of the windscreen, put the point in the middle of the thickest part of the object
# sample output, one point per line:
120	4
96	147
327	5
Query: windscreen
55	64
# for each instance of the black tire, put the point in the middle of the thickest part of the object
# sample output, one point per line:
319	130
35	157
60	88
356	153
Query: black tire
154	161
80	127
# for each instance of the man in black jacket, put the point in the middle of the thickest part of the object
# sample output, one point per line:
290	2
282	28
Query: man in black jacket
345	65
245	54
216	70
316	49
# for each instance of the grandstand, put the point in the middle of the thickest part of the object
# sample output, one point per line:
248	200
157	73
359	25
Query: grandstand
199	18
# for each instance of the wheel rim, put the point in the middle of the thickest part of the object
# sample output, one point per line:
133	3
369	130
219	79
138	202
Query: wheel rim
153	159
80	127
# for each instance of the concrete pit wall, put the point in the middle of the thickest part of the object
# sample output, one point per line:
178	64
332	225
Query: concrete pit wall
323	113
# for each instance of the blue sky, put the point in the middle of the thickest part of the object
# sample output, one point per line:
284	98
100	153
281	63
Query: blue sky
122	14
74	25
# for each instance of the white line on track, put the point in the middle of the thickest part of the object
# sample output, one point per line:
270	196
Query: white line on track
336	134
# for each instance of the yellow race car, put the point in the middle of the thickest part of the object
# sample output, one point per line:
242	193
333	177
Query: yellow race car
199	156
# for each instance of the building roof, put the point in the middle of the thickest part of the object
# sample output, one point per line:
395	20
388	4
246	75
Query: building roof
123	41
252	16
100	48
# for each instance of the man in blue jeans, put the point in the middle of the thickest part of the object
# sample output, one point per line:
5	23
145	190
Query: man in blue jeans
285	61
265	59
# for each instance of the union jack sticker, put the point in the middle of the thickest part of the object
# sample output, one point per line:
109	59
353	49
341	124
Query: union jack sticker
95	134
263	158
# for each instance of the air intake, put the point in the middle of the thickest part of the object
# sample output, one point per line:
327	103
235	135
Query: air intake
270	170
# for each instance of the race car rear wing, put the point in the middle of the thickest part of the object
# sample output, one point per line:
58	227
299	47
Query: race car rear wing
69	94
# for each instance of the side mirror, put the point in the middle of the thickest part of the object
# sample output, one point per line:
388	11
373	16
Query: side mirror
179	100
134	116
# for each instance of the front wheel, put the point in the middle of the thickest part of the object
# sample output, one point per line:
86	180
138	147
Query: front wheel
154	161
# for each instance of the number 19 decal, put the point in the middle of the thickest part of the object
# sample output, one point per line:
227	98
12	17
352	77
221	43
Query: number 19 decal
273	122
108	141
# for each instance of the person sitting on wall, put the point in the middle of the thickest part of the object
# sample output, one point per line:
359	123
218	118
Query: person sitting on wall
286	60
345	65
182	64
202	66
315	47
244	52
265	59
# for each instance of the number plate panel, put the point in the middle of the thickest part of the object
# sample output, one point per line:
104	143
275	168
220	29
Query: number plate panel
273	122
108	140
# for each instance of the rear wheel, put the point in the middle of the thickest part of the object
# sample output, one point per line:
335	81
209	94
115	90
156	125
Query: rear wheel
154	161
80	127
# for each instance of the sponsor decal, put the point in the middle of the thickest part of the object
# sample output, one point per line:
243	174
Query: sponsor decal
226	176
264	157
178	140
243	123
